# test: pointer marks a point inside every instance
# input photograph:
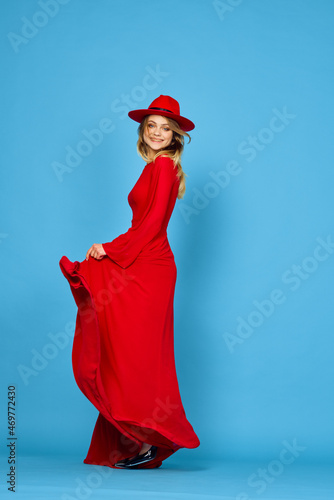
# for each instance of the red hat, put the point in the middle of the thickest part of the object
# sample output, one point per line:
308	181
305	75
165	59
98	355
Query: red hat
164	106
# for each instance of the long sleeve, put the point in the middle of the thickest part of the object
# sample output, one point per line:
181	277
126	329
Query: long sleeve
125	248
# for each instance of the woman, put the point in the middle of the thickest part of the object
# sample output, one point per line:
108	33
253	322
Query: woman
123	349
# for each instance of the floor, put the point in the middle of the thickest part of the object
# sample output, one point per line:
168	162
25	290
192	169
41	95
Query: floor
67	478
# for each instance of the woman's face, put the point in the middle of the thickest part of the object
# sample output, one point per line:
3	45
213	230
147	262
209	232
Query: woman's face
157	134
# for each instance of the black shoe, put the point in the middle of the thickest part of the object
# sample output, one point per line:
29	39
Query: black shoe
138	459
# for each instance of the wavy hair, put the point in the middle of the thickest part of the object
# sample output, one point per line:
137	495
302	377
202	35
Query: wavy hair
174	150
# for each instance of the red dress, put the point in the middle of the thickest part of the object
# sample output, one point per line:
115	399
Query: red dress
123	348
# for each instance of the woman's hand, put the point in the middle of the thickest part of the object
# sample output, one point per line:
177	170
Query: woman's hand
96	251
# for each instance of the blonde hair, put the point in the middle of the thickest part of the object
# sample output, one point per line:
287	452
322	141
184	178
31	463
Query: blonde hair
174	150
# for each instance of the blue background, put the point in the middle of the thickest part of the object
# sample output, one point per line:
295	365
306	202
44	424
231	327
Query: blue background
232	70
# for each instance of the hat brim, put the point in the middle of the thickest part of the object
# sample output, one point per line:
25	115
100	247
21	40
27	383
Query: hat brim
138	115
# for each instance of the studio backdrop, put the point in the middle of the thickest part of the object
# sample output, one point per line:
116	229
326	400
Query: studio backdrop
253	237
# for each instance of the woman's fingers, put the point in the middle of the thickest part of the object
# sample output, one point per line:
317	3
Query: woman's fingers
96	251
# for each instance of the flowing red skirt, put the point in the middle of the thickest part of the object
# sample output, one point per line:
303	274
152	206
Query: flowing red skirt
123	356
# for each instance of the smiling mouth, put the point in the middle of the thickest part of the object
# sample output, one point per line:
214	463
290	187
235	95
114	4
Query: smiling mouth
156	140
